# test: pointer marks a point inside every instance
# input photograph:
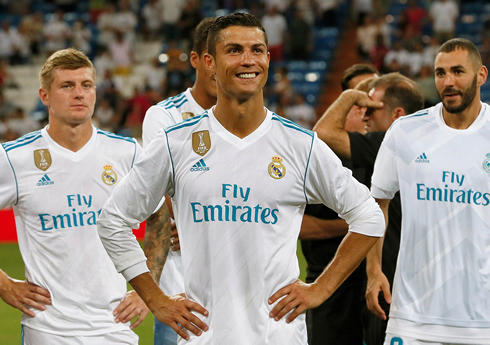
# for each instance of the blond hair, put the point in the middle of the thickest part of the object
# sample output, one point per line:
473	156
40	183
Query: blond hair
70	59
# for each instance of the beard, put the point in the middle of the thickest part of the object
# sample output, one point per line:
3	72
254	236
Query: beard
467	96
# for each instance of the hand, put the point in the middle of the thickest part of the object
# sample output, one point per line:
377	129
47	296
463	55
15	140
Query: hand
130	307
377	282
364	101
298	296
174	238
22	295
175	310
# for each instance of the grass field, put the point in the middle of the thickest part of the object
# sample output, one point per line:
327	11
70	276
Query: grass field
11	263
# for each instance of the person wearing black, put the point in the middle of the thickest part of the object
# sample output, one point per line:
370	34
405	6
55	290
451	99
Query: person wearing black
390	96
339	319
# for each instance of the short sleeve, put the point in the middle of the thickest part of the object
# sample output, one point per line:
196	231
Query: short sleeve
8	184
156	119
385	182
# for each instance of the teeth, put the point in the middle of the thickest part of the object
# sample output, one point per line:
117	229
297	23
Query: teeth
246	75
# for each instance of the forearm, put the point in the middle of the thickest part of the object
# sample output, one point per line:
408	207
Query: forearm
313	228
147	289
157	241
330	127
374	257
349	255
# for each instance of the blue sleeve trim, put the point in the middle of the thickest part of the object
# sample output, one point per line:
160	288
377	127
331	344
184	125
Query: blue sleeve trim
291	124
307	166
15	177
172	161
22	141
186	123
115	136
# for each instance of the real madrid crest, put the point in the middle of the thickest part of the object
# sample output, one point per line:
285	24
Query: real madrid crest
276	169
109	176
486	163
187	115
201	142
42	159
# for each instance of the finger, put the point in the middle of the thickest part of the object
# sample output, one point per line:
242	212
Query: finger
196	307
25	310
375	308
179	330
191	328
282	292
39	290
287	308
39	298
128	315
196	321
121	307
297	312
32	303
174	232
387	293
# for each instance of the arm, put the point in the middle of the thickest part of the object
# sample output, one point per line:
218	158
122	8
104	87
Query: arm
301	296
313	228
22	294
157	241
330	127
376	279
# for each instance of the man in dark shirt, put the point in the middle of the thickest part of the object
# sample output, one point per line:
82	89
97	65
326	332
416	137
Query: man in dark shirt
339	319
389	97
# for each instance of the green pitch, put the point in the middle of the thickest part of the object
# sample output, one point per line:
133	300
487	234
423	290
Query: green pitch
11	263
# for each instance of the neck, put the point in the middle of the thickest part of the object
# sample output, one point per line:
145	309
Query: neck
202	97
464	119
240	118
71	137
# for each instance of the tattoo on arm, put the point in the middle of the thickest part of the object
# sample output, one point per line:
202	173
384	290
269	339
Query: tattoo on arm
157	241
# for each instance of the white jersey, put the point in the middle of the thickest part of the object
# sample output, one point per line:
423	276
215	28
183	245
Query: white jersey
57	196
239	205
443	175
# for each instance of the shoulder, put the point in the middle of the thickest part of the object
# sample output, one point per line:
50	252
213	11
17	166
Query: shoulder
112	137
417	118
22	142
189	124
174	102
289	126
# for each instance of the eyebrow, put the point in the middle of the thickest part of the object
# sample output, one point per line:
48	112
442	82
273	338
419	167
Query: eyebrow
452	68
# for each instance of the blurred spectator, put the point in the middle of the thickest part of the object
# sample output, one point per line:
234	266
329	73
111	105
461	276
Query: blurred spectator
396	57
106	24
56	33
485	51
366	36
427	85
275	26
416	17
14	45
6	107
34	26
125	22
152	23
107	89
300	37
22	124
280	5
103	62
104	116
66	5
379	52
415	58
327	10
140	103
81	37
177	67
301	112
443	14
121	54
361	9
189	19
172	10
282	86
384	29
156	75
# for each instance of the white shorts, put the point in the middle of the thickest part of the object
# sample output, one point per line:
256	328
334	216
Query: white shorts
393	339
32	337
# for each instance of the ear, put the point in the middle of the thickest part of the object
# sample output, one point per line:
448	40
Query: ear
398	112
194	59
482	76
44	95
209	62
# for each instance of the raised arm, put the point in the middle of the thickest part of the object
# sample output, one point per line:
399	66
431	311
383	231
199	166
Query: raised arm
313	228
330	127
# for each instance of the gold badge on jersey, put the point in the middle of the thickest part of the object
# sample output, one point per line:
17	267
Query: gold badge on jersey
187	115
201	142
42	159
109	176
276	169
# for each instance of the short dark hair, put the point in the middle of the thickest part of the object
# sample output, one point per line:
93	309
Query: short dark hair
463	44
356	70
201	35
400	91
232	19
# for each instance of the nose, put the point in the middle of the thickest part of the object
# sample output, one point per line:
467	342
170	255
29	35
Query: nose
78	91
247	58
449	80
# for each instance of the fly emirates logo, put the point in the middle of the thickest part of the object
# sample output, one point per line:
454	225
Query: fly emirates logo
228	211
453	191
80	214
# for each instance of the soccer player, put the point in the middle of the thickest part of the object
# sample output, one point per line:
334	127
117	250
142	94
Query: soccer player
391	96
57	180
240	215
192	102
439	160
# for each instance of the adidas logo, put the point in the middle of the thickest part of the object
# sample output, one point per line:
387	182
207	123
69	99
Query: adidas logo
44	181
200	166
422	159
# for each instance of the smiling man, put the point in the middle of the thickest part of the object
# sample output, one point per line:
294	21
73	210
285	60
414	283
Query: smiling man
240	177
439	160
57	180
